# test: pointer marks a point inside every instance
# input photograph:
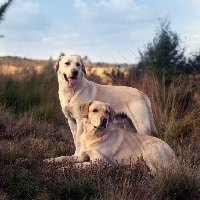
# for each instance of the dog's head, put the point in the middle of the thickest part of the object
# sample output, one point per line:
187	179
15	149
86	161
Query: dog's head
71	68
98	114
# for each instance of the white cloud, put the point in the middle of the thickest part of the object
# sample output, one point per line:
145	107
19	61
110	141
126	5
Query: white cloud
25	22
116	4
25	15
84	9
2	2
26	7
20	10
117	11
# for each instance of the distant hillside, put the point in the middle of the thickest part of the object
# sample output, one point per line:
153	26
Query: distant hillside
21	62
22	67
15	65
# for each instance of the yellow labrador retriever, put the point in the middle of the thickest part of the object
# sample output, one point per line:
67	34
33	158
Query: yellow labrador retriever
75	89
101	140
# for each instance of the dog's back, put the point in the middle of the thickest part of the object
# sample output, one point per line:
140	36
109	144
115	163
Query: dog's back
156	153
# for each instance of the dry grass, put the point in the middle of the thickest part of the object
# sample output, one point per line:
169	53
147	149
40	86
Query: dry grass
32	128
176	111
19	68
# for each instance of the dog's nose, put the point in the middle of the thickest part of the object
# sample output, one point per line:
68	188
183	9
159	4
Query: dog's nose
74	72
103	121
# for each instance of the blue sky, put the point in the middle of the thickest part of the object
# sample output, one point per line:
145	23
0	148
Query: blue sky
105	30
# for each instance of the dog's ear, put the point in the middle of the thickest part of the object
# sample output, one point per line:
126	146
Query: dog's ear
83	66
111	114
57	63
84	108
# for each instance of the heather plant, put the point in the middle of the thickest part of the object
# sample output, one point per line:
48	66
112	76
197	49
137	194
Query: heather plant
20	182
24	175
37	131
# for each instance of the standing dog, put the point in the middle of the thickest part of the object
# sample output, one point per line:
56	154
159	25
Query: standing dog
75	89
101	140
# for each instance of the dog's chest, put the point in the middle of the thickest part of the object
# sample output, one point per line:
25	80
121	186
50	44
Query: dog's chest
69	106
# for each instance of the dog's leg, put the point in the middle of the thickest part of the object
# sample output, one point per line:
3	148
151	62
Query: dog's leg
83	165
73	127
78	136
139	115
129	126
82	157
60	159
158	155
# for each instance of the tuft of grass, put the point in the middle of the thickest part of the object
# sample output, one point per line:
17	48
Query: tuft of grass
36	94
181	184
75	189
20	182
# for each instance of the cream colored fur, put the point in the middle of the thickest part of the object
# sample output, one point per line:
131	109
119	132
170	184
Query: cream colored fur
75	89
101	140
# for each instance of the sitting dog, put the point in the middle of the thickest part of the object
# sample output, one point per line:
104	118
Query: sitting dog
101	140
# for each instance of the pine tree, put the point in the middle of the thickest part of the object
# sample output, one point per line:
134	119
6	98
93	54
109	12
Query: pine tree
164	55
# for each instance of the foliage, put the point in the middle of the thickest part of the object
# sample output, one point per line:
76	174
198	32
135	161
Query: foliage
3	9
164	55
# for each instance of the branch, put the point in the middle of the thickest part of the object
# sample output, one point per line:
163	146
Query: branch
3	8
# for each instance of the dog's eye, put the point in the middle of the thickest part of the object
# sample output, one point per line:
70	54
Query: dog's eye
77	64
67	63
95	110
106	112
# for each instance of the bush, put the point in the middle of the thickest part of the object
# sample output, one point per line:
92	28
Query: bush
165	56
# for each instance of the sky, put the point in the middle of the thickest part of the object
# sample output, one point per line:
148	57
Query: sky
111	31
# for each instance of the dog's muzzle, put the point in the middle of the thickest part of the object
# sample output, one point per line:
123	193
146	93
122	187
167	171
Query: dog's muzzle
103	123
72	81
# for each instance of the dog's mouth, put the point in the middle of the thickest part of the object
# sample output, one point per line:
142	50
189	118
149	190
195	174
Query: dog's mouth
102	125
72	81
